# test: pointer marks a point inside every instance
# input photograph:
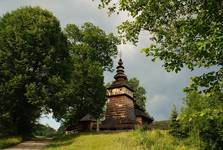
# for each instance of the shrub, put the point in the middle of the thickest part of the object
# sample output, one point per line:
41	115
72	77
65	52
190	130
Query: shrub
202	116
162	140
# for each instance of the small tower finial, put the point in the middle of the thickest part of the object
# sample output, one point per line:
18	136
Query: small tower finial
120	75
120	54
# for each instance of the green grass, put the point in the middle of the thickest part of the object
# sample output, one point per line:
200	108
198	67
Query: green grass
133	140
95	141
9	141
161	140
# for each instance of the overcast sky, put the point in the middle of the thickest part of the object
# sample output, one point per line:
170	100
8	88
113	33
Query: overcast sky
163	89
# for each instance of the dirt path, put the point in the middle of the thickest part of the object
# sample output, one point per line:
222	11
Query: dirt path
31	145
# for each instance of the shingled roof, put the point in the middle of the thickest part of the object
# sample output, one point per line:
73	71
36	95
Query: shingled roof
139	112
88	117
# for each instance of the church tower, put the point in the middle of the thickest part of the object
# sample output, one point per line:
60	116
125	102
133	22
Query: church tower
120	112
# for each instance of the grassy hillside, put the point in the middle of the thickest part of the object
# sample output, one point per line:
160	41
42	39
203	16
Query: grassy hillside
95	141
133	140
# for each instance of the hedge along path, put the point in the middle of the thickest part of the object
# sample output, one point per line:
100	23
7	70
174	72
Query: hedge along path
36	144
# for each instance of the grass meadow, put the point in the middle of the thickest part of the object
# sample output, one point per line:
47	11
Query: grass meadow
131	140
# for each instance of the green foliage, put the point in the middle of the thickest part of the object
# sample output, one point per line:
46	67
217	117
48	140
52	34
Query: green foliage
100	47
162	140
139	94
33	67
202	116
132	140
61	129
92	51
44	130
175	128
186	33
174	124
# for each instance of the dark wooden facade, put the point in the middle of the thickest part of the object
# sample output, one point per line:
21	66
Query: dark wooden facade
87	123
119	107
121	113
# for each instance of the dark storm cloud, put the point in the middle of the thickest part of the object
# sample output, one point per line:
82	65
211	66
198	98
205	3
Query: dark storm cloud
163	89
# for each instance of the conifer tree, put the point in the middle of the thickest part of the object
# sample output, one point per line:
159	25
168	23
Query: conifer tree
174	123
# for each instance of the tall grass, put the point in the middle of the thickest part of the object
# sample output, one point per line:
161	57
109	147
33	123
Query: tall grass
161	140
9	141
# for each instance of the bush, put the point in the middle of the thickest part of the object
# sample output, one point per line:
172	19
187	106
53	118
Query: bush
162	140
202	116
42	130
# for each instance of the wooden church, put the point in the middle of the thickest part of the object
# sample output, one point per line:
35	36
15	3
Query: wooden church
121	112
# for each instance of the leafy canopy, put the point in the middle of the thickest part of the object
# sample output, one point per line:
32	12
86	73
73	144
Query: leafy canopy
202	116
101	47
185	33
34	64
92	51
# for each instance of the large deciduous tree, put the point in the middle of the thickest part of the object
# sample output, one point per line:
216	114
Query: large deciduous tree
92	51
100	47
185	33
33	67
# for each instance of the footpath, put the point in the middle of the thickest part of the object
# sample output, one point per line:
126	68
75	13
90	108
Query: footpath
36	144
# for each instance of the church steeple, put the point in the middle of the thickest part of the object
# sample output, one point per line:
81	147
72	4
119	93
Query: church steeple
120	113
120	110
120	75
121	79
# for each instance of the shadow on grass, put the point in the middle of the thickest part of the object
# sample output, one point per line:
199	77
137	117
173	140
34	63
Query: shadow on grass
62	140
65	140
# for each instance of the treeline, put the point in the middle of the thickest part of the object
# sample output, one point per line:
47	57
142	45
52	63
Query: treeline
44	69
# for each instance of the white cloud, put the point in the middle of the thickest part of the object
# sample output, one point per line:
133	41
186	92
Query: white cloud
48	120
